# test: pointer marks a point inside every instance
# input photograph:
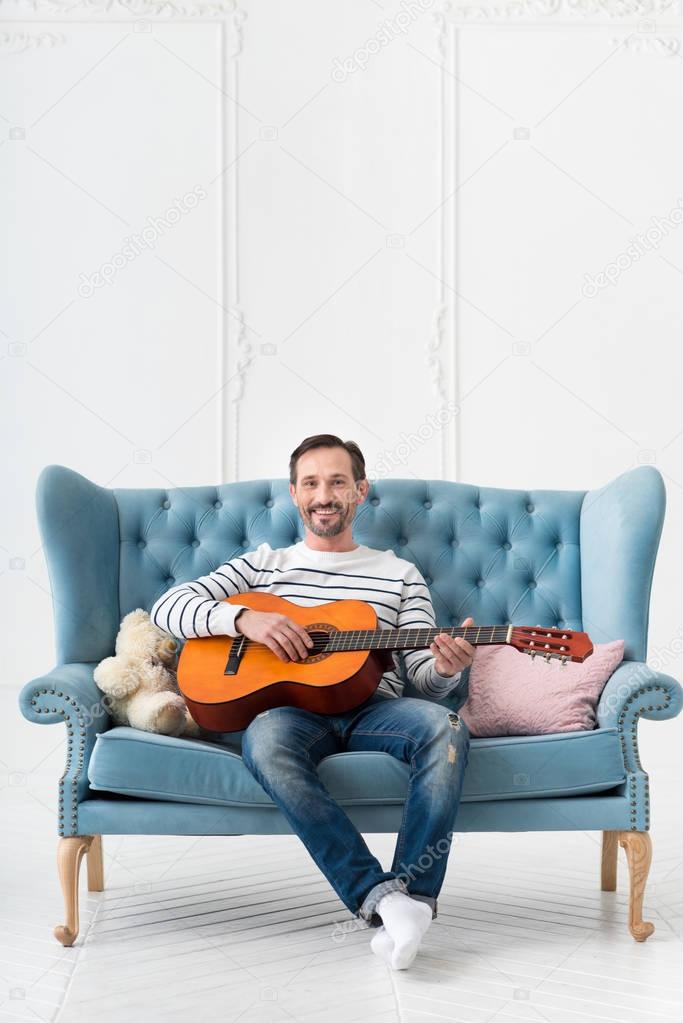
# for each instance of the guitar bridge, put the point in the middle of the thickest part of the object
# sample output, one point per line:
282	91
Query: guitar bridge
236	654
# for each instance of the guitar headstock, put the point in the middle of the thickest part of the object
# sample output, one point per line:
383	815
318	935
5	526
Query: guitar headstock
564	644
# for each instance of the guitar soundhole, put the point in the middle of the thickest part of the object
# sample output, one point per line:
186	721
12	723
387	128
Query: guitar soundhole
319	634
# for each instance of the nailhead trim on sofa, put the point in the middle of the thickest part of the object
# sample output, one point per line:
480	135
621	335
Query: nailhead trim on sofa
65	828
630	749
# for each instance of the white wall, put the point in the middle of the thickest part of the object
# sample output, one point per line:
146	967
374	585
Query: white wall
379	236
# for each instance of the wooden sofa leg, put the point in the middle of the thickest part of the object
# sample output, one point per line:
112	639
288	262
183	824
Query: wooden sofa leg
638	848
610	848
95	865
69	855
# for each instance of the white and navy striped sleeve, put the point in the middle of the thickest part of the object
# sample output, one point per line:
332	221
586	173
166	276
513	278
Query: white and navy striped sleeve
197	609
416	611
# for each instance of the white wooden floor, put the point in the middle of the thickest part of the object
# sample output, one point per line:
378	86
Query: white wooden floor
247	929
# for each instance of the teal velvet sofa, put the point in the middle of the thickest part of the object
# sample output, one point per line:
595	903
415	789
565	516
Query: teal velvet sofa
571	559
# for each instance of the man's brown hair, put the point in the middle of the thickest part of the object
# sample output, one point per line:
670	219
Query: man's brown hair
328	440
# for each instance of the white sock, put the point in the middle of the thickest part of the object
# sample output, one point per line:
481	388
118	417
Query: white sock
383	945
406	921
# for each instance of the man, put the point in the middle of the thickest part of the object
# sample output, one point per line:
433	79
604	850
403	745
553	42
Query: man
283	746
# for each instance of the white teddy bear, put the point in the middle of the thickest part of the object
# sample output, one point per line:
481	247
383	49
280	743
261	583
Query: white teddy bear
140	680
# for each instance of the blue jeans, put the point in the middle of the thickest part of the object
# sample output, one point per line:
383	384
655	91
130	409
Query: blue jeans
282	748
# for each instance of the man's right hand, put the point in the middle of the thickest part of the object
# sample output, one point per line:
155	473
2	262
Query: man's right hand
279	633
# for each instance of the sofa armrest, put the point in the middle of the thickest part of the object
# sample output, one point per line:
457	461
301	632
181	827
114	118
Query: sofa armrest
68	693
635	690
47	698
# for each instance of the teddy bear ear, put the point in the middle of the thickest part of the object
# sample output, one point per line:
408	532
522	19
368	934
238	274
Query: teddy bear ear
133	618
139	614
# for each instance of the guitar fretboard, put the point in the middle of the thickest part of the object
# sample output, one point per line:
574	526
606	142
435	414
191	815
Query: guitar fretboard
406	639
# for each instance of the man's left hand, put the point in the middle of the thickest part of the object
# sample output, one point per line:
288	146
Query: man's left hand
452	653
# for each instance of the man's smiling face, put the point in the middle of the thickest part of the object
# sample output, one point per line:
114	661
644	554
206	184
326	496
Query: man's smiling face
325	492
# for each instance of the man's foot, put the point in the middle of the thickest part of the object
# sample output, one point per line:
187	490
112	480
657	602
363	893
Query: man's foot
406	921
382	945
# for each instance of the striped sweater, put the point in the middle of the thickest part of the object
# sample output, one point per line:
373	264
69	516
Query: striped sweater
392	585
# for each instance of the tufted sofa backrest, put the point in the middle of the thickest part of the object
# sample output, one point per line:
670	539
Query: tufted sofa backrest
499	555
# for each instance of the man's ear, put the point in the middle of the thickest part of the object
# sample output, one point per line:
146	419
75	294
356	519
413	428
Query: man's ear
362	489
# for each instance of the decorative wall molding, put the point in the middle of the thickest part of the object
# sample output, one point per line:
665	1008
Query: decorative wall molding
235	350
650	46
20	42
434	352
442	353
648	17
621	8
240	353
238	18
539	11
237	353
112	10
462	11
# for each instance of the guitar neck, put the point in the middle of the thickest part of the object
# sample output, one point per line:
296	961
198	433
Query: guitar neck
413	639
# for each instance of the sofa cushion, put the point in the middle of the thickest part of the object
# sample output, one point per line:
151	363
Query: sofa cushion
136	763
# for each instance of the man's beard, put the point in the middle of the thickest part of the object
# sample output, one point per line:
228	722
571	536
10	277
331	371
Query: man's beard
331	526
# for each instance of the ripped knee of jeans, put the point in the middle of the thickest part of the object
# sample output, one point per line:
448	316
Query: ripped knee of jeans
456	723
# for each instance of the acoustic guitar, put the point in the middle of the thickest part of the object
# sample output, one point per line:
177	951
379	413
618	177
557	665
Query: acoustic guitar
226	682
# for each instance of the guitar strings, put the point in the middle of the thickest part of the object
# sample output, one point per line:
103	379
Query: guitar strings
411	639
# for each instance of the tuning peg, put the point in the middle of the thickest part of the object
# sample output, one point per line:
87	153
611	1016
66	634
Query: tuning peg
547	658
563	661
532	654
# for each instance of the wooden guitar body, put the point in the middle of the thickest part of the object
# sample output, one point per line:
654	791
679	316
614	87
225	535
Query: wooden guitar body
226	682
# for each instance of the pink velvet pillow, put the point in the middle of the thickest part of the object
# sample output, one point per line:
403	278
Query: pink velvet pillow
511	694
